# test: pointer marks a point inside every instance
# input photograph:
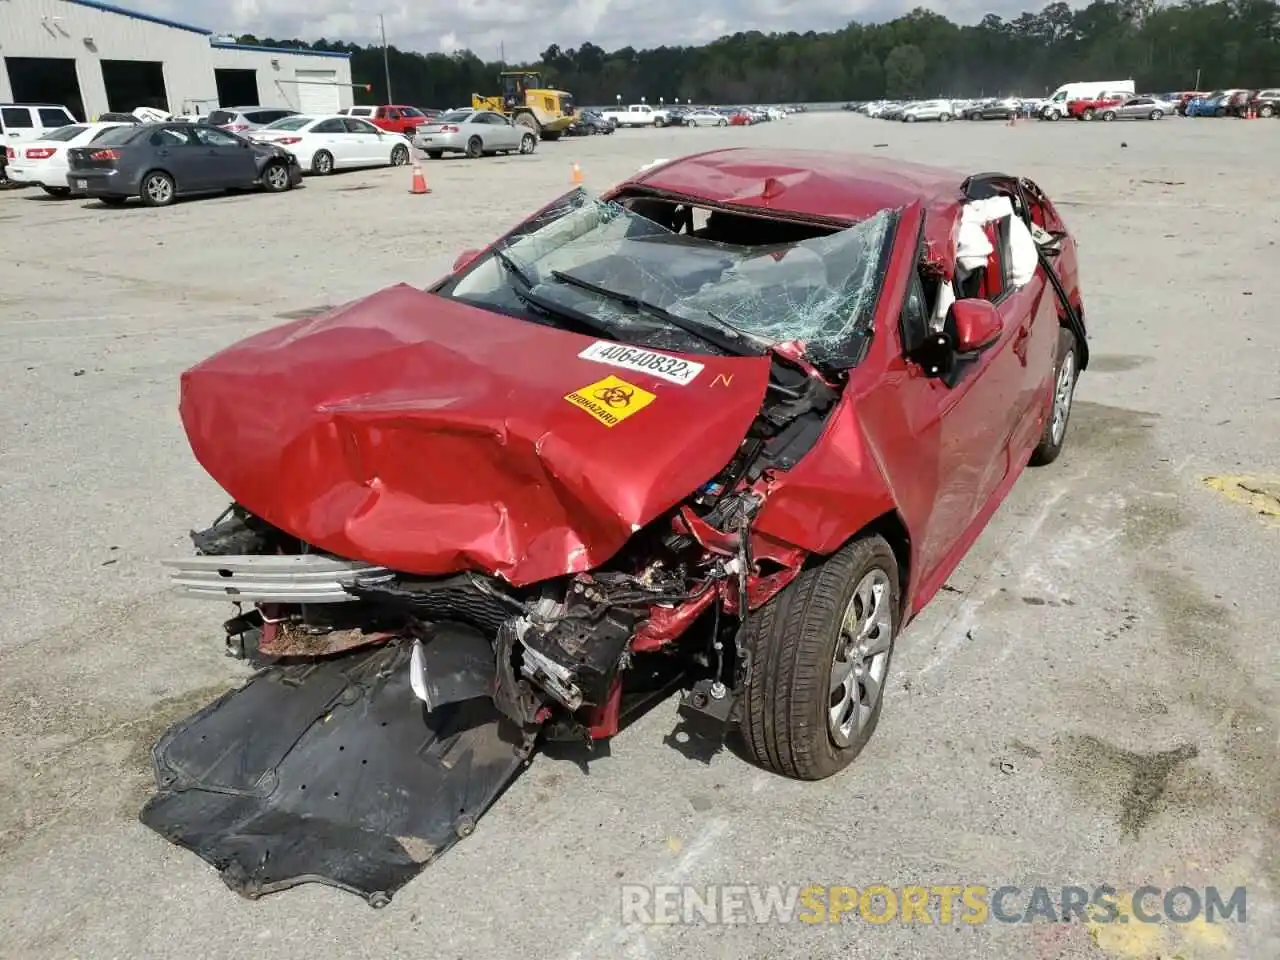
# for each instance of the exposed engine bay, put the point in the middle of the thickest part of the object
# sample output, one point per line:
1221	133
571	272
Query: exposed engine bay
565	659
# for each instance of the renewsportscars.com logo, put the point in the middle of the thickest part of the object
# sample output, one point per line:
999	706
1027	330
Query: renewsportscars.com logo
937	904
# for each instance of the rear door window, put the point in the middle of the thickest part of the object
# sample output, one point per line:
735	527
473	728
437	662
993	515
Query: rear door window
222	117
118	136
16	118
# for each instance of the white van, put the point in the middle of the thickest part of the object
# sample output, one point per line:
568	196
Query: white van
1055	107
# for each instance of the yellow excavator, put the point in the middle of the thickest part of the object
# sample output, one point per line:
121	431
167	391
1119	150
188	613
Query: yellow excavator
524	99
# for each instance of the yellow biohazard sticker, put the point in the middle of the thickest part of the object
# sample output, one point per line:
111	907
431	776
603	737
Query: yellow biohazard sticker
610	400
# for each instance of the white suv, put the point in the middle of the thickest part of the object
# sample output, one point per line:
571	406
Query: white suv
23	122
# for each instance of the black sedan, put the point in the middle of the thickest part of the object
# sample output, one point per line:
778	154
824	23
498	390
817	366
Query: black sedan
589	122
160	162
991	110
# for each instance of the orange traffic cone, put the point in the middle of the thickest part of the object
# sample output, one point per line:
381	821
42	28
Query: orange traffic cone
419	180
576	178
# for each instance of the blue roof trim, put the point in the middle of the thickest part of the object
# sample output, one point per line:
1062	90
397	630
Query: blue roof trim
222	45
111	8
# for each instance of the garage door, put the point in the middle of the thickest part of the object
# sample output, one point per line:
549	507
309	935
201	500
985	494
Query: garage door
318	91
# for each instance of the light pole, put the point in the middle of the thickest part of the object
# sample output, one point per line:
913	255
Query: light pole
386	63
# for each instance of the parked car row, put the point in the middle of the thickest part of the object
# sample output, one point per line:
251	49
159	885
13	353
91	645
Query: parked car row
158	163
689	115
1104	105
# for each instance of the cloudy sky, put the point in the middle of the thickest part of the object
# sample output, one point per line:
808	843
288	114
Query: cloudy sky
526	30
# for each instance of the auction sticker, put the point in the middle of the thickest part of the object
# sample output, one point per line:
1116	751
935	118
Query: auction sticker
610	400
661	365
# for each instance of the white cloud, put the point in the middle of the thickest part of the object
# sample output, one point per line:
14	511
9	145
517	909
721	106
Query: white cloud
527	27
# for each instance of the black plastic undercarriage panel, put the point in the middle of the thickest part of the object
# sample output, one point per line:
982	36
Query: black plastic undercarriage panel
330	772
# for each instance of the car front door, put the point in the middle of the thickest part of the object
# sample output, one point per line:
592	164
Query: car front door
229	160
368	142
940	440
333	137
505	135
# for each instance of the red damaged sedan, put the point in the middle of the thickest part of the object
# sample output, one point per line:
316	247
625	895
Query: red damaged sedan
725	430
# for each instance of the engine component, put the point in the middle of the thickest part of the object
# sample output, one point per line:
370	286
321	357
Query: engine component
576	656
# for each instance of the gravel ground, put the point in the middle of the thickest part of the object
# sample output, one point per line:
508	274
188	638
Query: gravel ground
1093	700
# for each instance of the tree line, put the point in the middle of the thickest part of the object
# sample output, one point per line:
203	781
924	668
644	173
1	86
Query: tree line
1162	47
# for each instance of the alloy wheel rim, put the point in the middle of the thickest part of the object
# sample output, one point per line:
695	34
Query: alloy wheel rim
158	189
861	658
276	177
1062	394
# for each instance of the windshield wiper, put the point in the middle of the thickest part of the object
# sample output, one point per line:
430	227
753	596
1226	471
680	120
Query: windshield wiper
525	294
726	337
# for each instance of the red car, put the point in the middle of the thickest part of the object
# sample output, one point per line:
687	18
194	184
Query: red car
395	118
726	430
1089	107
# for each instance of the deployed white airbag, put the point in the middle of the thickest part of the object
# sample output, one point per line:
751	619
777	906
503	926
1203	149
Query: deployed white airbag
974	249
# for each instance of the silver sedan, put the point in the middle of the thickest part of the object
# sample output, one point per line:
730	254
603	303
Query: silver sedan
473	133
1138	108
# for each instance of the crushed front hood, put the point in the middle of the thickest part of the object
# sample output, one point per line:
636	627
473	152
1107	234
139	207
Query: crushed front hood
428	436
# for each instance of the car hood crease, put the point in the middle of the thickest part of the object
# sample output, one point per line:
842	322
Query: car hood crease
416	432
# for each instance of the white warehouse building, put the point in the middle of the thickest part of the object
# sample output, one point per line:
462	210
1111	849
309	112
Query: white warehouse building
94	57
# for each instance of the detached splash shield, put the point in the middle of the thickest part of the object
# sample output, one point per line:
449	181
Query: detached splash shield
330	772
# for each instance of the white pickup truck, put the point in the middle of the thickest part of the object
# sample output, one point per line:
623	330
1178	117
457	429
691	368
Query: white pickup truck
637	115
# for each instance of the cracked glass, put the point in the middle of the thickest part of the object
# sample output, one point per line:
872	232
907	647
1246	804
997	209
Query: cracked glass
819	292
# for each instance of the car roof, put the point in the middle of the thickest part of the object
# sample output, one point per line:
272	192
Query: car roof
844	186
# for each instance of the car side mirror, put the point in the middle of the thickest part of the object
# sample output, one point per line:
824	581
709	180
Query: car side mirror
465	258
976	324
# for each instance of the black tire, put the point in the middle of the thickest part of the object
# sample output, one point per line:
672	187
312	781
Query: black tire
794	639
475	148
910	118
1052	115
1155	115
528	143
158	189
399	155
56	191
1266	110
435	154
322	163
275	177
1052	439
1108	115
1087	114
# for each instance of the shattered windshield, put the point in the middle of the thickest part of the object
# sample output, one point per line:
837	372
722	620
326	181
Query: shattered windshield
647	284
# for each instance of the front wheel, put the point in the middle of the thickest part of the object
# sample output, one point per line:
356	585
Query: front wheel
820	653
1156	114
1088	114
1108	116
945	118
910	118
276	178
1065	373
399	155
1052	115
693	123
528	143
1266	110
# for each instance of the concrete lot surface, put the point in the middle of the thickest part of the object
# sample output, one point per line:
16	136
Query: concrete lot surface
1093	700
